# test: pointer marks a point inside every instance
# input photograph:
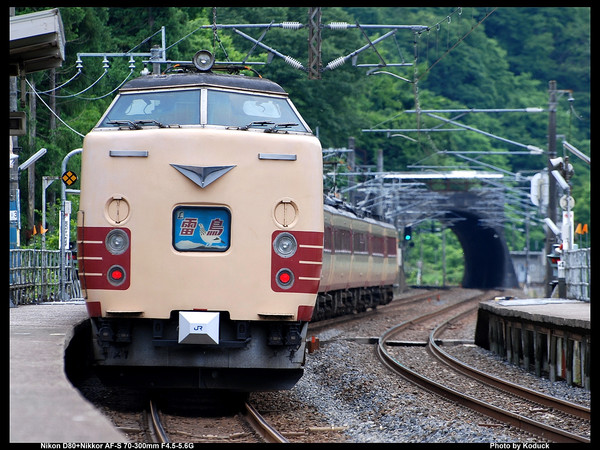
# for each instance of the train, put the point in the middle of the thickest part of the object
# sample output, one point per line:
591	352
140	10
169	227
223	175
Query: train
204	244
360	261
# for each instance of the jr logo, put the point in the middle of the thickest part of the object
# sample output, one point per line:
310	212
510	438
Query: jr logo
198	328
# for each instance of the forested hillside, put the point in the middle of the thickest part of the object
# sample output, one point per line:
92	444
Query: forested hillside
465	58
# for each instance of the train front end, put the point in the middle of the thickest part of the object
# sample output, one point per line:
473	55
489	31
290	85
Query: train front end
200	233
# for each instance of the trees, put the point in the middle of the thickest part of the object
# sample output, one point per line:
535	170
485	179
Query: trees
505	62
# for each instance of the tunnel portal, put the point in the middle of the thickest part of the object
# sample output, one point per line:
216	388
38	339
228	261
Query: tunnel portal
487	261
473	212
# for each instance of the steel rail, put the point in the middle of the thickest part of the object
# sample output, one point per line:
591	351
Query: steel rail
567	407
394	304
157	426
263	428
397	328
482	407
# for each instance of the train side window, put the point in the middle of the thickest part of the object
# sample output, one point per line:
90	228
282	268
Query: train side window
391	249
342	240
327	239
377	245
360	242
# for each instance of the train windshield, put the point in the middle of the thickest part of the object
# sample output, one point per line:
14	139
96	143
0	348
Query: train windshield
244	110
155	108
238	110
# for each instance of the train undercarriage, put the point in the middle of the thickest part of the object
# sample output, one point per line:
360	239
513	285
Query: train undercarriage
351	301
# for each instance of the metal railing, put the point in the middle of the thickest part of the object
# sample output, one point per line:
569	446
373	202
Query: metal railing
34	276
577	273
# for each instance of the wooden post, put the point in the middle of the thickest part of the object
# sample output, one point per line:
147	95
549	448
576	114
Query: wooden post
586	355
508	341
501	337
577	379
516	344
552	357
568	360
538	353
526	345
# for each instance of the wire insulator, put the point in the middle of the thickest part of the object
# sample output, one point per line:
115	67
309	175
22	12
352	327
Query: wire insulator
291	25
337	62
294	63
338	25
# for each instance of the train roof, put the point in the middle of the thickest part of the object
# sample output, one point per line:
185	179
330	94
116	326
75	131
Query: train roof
338	210
203	79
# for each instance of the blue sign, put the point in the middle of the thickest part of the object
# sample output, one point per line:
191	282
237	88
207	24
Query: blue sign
201	229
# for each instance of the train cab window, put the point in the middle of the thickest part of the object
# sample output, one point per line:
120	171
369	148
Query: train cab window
244	110
154	108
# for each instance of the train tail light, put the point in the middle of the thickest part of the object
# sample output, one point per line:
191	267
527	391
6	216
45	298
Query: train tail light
116	275
284	278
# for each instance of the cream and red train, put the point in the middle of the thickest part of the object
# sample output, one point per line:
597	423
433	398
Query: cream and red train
203	240
360	265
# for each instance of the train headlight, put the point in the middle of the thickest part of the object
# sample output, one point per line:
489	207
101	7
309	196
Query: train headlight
203	60
284	278
117	242
285	245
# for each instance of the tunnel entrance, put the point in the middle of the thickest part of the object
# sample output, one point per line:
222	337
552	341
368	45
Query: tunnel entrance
487	261
475	214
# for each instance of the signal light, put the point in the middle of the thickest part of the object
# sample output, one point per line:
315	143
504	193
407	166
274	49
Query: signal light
407	233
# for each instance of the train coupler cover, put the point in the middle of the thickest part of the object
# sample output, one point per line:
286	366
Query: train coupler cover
198	327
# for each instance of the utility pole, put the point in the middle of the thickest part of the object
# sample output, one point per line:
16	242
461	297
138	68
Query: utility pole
352	165
551	214
314	43
381	192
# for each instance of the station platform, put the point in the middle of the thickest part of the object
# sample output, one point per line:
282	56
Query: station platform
44	406
550	335
554	311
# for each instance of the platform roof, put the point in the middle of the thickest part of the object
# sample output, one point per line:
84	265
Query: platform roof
37	42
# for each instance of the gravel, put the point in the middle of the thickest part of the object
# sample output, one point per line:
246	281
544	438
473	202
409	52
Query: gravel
377	406
346	383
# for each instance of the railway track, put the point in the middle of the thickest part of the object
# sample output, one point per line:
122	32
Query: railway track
252	417
157	431
395	304
262	427
557	404
521	421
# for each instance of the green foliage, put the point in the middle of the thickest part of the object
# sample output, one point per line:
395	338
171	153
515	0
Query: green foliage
504	62
424	261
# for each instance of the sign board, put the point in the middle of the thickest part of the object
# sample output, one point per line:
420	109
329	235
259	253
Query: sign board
69	178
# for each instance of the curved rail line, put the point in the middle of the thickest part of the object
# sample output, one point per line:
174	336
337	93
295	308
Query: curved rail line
539	397
394	304
264	429
482	407
157	429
